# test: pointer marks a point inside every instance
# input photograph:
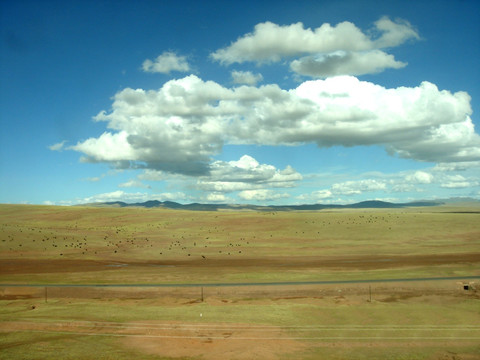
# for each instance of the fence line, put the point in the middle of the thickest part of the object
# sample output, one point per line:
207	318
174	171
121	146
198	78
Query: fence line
385	291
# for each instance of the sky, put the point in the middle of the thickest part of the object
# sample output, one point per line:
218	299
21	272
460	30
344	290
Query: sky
251	102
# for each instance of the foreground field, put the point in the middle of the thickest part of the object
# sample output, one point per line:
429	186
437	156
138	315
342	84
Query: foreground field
402	320
406	321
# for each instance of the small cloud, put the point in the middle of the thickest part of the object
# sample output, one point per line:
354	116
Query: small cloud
177	196
58	147
457	185
457	182
394	33
345	63
405	188
154	175
262	195
420	177
217	198
246	174
165	63
458	166
94	179
121	195
135	184
358	187
316	196
246	77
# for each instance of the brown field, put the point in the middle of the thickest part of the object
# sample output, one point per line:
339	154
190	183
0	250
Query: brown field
47	246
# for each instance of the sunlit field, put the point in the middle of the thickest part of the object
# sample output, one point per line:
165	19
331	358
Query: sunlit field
168	250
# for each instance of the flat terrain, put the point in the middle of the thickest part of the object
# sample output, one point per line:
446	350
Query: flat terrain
47	245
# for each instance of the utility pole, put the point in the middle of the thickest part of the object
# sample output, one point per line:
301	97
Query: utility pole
46	297
202	293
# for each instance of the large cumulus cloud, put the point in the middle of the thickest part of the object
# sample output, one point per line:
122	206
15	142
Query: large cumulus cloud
181	126
175	129
421	123
271	42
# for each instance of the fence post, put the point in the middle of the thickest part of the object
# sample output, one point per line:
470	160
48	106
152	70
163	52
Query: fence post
46	296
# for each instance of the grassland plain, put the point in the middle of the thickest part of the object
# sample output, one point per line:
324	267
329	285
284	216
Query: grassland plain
82	245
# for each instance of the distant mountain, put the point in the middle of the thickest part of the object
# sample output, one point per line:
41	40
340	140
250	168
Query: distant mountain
372	204
460	201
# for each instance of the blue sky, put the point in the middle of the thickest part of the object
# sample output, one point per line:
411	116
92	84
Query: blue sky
262	102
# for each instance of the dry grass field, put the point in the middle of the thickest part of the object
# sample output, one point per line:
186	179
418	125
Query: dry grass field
47	246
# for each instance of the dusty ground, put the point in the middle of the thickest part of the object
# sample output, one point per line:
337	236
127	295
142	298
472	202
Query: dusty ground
174	339
209	339
213	341
206	335
364	262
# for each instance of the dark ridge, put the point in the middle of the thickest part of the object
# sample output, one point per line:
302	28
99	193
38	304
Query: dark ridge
110	203
371	204
149	204
374	204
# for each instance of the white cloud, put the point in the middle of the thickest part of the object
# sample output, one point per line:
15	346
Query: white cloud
175	129
246	77
431	185
135	184
165	63
458	166
322	194
94	179
57	147
157	176
411	181
458	185
393	33
345	63
224	177
262	195
316	196
178	128
175	196
128	197
154	175
108	148
457	182
271	42
217	198
245	174
357	187
419	177
118	195
422	123
404	187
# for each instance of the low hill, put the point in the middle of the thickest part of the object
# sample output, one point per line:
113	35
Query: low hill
372	204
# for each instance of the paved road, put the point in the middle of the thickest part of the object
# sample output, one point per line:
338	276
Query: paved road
280	283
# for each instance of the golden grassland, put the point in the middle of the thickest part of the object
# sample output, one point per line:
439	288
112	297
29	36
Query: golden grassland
201	242
85	245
